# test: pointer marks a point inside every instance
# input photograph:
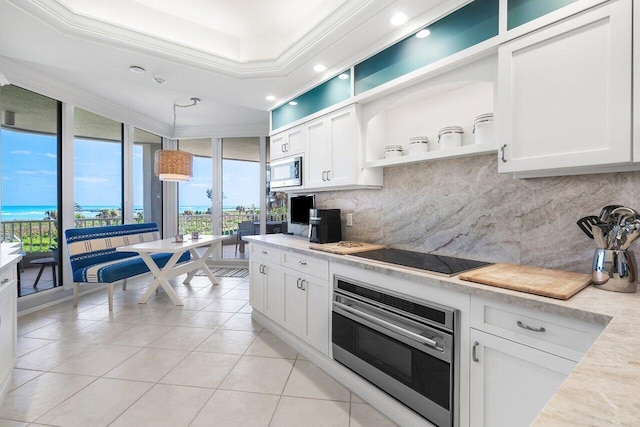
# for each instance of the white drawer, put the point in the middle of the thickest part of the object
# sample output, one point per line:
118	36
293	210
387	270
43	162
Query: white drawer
8	274
562	336
305	264
266	253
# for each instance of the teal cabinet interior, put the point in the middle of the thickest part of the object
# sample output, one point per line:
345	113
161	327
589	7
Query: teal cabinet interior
467	26
320	97
522	11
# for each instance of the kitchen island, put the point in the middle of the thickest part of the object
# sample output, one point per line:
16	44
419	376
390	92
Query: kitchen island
600	390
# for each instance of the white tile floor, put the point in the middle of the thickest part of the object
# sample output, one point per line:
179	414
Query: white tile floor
204	364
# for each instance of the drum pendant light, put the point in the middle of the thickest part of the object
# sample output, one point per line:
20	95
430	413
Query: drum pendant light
175	165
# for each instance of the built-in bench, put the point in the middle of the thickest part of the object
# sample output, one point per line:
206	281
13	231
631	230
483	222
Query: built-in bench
94	258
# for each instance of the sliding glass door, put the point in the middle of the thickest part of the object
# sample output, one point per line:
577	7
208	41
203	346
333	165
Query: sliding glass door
30	136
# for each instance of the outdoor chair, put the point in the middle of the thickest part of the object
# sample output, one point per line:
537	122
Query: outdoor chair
245	228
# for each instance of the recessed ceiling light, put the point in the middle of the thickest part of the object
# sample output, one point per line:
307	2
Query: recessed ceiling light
293	103
319	68
271	98
398	19
423	33
136	69
343	76
159	79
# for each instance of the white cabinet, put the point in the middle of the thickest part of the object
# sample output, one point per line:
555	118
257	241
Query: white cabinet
564	95
306	308
306	299
266	282
292	290
519	358
8	326
511	382
332	150
287	143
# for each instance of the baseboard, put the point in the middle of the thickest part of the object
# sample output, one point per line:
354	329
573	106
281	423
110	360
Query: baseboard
384	403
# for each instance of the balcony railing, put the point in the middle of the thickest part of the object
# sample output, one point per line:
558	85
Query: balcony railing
38	236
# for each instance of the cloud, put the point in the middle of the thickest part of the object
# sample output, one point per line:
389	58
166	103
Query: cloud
21	152
37	172
51	155
91	179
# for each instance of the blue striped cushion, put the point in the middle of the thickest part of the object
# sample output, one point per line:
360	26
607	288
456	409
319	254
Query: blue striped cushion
112	271
94	258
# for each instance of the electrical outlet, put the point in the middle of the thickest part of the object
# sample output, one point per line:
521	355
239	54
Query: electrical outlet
349	220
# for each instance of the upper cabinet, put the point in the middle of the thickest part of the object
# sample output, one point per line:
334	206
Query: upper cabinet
332	148
287	143
564	98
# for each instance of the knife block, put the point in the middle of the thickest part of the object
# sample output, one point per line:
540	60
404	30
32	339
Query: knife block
614	270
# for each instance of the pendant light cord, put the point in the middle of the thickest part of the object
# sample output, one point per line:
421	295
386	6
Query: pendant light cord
194	101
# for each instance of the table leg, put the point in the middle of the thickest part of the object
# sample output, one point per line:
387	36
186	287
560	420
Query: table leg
160	278
38	276
200	264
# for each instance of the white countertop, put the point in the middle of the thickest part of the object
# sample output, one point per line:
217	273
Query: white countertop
604	387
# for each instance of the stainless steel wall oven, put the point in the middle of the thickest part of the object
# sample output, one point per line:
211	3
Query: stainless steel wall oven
403	346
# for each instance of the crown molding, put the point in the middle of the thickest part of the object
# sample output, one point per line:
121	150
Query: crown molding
329	31
21	75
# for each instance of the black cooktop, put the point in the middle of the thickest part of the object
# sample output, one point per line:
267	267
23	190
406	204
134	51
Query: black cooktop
445	265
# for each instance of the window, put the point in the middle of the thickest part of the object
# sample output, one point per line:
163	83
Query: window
30	187
98	170
147	188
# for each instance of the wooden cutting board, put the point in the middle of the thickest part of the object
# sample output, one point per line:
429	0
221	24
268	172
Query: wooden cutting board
534	280
343	248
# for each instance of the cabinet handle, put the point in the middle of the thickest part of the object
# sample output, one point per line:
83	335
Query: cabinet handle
502	153
260	269
298	283
328	176
302	281
323	177
302	263
530	328
282	147
286	147
264	252
474	352
7	280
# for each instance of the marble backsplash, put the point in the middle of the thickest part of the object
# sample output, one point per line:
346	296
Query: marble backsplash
463	207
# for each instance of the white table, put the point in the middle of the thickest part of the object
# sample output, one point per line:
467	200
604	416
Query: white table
171	270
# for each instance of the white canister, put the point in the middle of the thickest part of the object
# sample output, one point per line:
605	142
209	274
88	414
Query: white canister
418	144
392	151
450	136
483	129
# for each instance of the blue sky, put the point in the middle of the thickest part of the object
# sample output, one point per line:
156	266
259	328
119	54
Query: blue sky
29	174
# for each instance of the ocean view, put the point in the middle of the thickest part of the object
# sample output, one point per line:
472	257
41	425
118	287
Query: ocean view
24	213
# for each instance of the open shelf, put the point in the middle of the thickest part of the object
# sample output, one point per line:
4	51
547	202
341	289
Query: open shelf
425	108
462	151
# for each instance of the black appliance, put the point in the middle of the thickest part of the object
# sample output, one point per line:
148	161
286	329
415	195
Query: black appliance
325	226
440	264
404	346
299	207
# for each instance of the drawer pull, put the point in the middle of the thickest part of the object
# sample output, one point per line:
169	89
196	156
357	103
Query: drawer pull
302	282
264	252
302	263
530	328
7	280
298	283
474	352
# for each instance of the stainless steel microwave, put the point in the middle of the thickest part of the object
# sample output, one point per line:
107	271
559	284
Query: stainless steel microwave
286	172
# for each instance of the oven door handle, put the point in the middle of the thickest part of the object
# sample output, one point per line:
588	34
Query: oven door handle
390	326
